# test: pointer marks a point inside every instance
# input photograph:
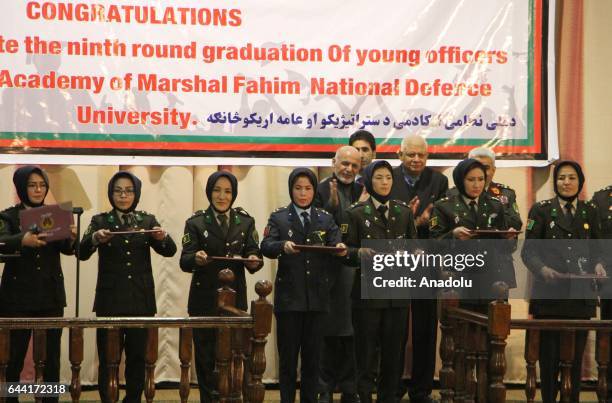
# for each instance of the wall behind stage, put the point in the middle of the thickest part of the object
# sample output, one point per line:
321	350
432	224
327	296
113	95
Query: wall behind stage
173	193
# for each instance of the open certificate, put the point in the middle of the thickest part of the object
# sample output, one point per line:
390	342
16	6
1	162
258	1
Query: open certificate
53	220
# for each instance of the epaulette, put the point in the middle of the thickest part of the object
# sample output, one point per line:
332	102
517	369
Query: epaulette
501	185
590	203
280	209
606	189
241	211
322	211
401	203
357	204
197	213
142	212
443	199
544	202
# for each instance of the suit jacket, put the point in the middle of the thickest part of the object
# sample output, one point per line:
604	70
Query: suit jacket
548	221
430	187
125	285
34	281
202	232
339	321
365	223
302	279
507	197
452	212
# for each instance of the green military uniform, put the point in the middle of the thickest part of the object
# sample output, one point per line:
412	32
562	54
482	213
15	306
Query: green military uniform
452	212
507	197
602	200
202	232
379	324
125	287
547	220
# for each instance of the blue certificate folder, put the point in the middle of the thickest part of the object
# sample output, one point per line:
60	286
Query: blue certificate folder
53	220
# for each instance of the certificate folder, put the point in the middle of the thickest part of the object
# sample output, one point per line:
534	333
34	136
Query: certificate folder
53	220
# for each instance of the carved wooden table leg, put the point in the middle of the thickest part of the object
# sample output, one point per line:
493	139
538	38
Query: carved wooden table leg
532	352
185	347
261	310
5	352
40	356
222	364
113	356
470	335
602	355
483	364
499	329
150	359
447	348
76	358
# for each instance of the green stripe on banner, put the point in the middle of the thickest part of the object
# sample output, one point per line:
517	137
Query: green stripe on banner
180	138
530	72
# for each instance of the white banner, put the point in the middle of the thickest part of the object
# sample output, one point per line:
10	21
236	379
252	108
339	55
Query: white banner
274	80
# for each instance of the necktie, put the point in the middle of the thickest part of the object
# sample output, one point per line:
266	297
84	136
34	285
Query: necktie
382	209
223	223
568	210
127	220
473	211
306	221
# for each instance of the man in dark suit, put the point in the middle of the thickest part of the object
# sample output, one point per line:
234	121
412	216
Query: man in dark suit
365	143
125	285
419	186
219	230
301	290
32	283
336	194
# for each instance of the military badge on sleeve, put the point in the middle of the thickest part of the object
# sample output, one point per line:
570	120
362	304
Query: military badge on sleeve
186	239
255	235
530	224
267	231
344	228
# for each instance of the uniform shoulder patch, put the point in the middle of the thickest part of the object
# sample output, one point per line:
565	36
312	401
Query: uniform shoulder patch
186	238
530	224
241	211
433	222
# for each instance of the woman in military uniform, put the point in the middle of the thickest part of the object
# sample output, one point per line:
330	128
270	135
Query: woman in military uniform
301	290
379	324
472	208
566	219
125	285
32	284
219	230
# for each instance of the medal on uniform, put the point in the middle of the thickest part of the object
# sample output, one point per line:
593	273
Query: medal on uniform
290	233
367	223
205	234
586	226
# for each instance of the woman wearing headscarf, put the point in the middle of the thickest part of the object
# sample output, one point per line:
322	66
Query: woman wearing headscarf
125	285
568	221
220	230
301	291
32	284
379	324
472	208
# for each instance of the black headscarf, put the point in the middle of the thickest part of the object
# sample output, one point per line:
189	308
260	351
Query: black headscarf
461	171
212	180
368	172
20	179
294	175
579	172
137	189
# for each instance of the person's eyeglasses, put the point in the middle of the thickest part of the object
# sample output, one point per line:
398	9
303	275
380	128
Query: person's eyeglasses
120	192
33	185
